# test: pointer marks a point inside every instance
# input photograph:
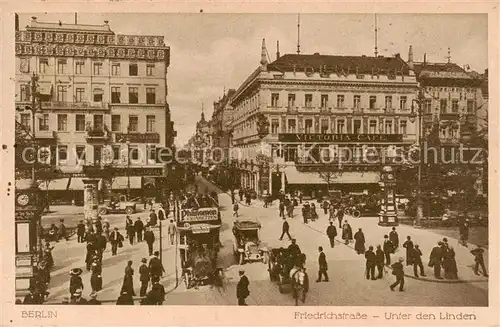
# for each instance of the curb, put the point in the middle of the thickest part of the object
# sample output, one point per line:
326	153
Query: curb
443	281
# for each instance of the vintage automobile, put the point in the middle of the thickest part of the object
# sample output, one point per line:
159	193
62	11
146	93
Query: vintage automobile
247	246
117	204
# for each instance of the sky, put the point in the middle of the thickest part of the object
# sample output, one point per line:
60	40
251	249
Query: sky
213	52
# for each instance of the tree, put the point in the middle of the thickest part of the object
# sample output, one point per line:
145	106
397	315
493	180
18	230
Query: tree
328	176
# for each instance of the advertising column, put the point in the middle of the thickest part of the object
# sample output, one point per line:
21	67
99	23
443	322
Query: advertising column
90	204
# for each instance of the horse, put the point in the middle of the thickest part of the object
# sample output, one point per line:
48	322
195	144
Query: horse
300	284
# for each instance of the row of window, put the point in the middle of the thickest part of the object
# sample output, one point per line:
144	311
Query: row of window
102	153
97	123
97	67
324	126
97	94
403	102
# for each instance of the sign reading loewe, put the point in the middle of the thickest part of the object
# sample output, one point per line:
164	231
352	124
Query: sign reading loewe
340	137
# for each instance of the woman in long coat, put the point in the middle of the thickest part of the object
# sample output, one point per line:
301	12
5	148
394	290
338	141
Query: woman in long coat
359	244
346	233
128	281
450	264
96	277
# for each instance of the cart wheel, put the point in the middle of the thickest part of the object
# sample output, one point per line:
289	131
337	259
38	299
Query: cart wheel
103	211
242	258
129	210
265	257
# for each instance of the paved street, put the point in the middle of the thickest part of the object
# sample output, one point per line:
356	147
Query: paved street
347	284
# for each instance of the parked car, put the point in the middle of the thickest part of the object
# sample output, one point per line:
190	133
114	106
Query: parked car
118	204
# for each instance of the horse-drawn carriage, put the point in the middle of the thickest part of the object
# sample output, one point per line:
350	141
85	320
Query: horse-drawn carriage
247	246
287	270
199	246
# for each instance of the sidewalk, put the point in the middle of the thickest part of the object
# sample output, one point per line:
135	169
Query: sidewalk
70	254
374	235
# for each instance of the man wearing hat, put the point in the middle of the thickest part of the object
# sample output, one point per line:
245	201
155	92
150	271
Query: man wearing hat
62	231
159	291
242	291
397	270
436	259
149	237
75	281
77	297
80	231
115	238
143	277
93	299
156	269
139	228
96	277
130	229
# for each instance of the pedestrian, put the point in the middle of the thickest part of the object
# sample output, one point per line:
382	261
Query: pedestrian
323	266
144	277
156	267
116	239
240	194
464	232
98	225
153	218
282	209
128	281
75	281
379	261
331	232
394	237
325	206
242	291
33	297
478	254
125	298
449	263
285	229
359	244
91	250
62	231
159	292
305	212
162	214
340	216
139	228
435	259
408	245
346	233
416	258
235	209
370	263
77	298
388	249
149	237
289	210
96	277
313	213
129	228
106	229
100	245
172	230
93	299
398	271
80	231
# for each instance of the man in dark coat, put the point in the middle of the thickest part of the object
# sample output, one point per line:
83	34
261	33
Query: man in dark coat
346	233
285	229
388	249
294	250
91	251
340	216
96	277
282	209
305	212
408	245
370	263
100	245
125	299
62	231
379	261
144	277
98	226
115	238
156	267
397	270
323	266
436	259
242	291
129	227
149	237
416	257
479	260
153	218
159	291
394	237
331	232
139	227
80	232
359	244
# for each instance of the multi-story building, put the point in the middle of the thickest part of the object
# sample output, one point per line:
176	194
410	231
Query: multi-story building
356	109
221	127
201	143
103	99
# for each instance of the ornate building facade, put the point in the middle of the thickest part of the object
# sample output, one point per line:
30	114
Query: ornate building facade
102	99
352	111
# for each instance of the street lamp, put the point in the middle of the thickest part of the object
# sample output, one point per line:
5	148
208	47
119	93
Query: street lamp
418	114
128	168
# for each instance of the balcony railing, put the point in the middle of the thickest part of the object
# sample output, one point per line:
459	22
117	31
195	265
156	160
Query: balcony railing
357	110
97	133
74	105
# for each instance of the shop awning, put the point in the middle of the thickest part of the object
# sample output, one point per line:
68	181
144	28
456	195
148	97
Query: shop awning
76	184
294	176
367	177
59	184
45	88
121	182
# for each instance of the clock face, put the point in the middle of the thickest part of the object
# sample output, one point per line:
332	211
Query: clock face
23	199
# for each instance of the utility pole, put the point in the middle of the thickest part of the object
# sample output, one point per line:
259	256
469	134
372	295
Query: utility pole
420	140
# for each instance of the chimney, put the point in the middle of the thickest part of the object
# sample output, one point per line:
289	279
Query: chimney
76	18
263	55
16	17
277	50
411	66
425	58
33	21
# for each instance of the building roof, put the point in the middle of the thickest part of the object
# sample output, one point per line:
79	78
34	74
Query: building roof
363	64
60	27
444	74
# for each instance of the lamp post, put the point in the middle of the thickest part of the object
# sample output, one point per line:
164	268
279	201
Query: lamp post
33	109
128	168
418	114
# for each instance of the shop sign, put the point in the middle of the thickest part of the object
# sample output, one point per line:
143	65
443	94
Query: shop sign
138	137
200	229
342	138
202	214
